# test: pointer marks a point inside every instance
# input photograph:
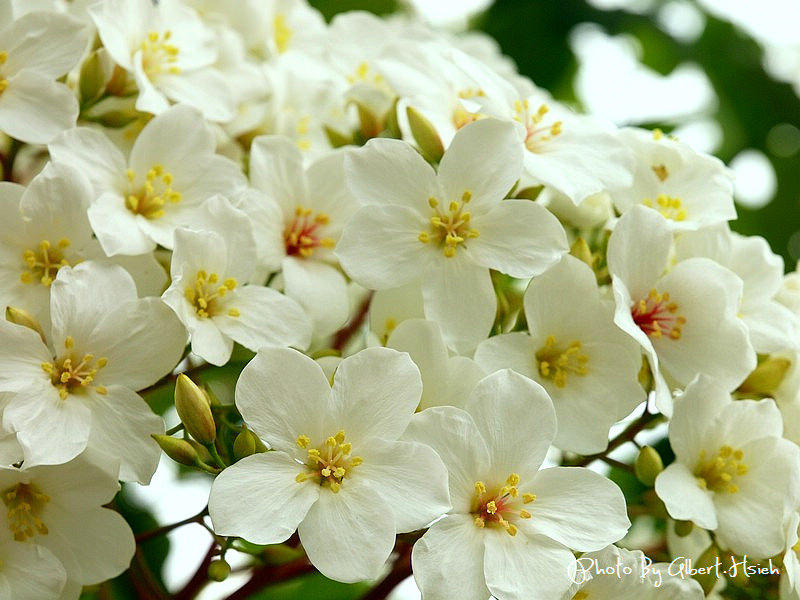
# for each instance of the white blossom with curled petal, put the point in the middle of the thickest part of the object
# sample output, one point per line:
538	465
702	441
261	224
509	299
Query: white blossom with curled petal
78	390
338	474
210	294
512	527
447	228
685	318
733	472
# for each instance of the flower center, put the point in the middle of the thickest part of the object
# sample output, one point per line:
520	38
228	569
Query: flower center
536	132
669	207
25	504
158	55
150	199
556	363
718	473
501	506
283	33
655	315
302	235
449	228
43	263
205	292
660	171
69	374
329	463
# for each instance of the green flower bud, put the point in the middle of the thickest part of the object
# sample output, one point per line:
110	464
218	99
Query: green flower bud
648	465
24	318
429	142
218	570
707	559
683	528
194	410
177	449
244	444
766	378
92	81
202	451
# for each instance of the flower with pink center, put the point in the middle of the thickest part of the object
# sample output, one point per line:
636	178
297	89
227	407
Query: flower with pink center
512	528
686	317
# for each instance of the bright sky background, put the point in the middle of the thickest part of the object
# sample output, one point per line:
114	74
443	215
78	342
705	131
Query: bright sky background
608	64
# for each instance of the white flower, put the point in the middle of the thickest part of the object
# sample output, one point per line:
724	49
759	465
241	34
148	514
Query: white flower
447	228
588	366
338	474
172	169
512	526
686	318
29	571
772	326
689	189
298	217
60	508
80	390
169	51
35	50
210	269
733	472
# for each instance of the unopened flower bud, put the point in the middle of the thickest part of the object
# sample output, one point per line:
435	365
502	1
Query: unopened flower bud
683	528
194	410
218	570
92	80
766	378
24	318
648	465
428	140
177	449
244	444
708	579
202	451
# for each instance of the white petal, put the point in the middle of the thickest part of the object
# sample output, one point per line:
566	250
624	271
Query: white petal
320	289
276	168
391	172
94	155
348	536
484	158
638	249
47	42
410	477
578	508
21	356
525	568
34	108
448	560
519	238
452	433
458	294
390	233
423	341
205	89
684	498
31	571
122	424
374	394
282	394
516	419
258	498
266	318
209	343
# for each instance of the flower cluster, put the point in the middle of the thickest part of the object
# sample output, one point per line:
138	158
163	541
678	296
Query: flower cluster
439	292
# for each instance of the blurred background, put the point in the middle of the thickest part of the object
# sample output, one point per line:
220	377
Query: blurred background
722	75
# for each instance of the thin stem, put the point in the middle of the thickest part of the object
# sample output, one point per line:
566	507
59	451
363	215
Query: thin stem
625	436
343	335
148	535
174	430
212	449
270	575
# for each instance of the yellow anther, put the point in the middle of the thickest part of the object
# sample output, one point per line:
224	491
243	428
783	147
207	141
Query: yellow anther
491	507
357	460
480	488
511	529
234	312
479	522
335	487
660	172
528	498
513	479
154	193
101	390
557	363
424	237
718	473
339	473
433	202
524	514
3	57
326	472
466	196
331	441
25	504
303	441
69	342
